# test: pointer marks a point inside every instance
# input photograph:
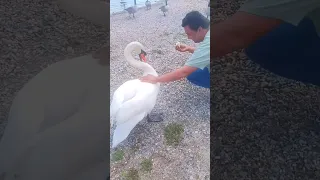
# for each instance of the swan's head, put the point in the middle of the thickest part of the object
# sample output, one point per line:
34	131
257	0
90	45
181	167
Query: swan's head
142	56
136	47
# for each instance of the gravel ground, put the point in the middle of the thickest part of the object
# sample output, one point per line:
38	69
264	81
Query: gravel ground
34	35
180	101
263	126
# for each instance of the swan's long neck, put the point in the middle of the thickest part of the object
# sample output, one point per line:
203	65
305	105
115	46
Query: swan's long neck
145	67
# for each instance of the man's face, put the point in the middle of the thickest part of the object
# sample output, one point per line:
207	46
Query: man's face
192	34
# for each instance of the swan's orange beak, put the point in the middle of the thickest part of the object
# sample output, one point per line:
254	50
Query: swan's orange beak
142	56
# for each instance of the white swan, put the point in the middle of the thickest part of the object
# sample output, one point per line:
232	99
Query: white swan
133	100
53	121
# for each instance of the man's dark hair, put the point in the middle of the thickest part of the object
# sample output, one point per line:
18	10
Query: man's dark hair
194	20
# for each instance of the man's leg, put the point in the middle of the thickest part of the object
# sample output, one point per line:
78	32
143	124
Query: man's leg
200	77
290	51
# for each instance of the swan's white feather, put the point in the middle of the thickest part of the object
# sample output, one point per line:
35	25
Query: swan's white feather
123	130
119	97
131	103
134	99
143	101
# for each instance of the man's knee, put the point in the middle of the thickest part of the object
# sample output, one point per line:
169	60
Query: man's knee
200	78
191	77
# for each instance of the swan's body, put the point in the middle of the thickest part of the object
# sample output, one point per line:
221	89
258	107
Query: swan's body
133	100
53	121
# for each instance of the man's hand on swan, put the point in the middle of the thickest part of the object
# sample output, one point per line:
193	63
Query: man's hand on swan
149	78
171	76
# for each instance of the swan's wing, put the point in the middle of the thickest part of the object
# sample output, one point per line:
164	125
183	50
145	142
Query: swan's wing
125	92
117	100
23	123
143	101
128	116
123	130
129	109
133	111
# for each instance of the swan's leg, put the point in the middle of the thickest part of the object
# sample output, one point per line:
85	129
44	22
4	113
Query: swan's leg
155	117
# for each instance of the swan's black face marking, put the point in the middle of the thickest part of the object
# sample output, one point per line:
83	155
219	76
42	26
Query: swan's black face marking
142	56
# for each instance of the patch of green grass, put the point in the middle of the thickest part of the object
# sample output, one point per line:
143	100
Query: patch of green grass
131	174
118	155
146	165
173	133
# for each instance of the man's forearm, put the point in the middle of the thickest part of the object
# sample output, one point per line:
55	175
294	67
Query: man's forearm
172	76
238	32
176	74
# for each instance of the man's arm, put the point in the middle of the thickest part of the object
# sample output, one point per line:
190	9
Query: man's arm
191	49
176	74
172	76
238	32
255	19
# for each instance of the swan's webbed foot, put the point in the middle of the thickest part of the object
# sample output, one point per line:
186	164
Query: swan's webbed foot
155	117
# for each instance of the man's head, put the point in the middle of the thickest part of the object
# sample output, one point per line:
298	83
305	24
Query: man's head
196	26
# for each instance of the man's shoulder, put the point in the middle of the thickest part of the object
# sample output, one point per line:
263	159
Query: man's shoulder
205	44
201	56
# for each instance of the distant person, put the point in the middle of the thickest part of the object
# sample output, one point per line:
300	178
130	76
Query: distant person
196	69
280	35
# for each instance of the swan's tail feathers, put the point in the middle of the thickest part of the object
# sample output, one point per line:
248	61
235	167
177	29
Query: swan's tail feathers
115	106
111	122
123	130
